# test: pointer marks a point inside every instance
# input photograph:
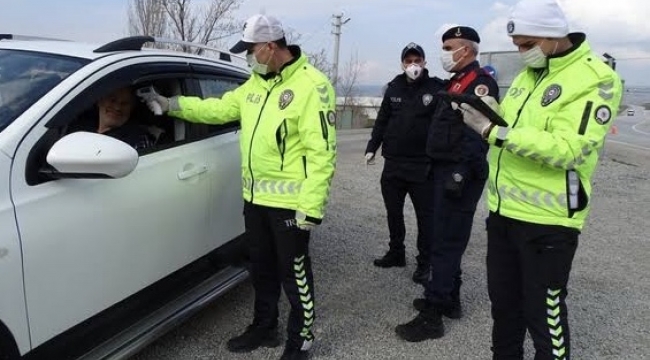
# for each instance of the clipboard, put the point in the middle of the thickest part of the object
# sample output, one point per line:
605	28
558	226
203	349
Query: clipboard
477	104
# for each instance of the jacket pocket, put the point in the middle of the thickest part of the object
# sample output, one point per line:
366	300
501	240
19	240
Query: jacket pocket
281	141
445	139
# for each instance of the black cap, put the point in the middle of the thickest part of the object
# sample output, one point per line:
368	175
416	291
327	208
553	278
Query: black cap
412	48
461	32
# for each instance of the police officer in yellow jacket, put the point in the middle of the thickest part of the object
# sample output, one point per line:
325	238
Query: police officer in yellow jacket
288	150
558	109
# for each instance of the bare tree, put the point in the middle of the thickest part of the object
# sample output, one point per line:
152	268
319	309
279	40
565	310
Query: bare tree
187	20
147	17
348	90
316	58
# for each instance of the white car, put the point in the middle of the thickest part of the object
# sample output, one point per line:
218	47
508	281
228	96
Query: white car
104	247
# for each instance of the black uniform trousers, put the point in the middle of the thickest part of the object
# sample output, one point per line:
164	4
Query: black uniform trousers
528	269
279	254
452	229
397	180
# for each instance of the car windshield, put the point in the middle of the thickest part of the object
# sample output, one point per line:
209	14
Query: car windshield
25	76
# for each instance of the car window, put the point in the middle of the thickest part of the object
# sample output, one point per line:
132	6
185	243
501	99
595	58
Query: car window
215	88
25	76
119	113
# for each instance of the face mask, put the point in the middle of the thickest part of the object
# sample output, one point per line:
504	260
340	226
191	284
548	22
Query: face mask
534	58
255	65
413	71
447	59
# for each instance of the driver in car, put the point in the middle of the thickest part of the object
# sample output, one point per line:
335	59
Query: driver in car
114	112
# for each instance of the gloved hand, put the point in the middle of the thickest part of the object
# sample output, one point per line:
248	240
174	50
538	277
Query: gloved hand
474	119
302	223
305	225
157	103
370	158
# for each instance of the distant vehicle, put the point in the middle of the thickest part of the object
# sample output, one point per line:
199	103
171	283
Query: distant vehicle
104	247
630	112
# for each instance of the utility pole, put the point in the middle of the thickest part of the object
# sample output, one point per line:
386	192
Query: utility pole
338	23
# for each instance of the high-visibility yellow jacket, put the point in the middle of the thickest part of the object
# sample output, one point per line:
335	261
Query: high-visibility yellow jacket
287	139
541	164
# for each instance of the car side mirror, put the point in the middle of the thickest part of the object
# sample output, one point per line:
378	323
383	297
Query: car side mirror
86	155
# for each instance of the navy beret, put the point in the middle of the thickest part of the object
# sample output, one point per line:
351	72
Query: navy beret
461	32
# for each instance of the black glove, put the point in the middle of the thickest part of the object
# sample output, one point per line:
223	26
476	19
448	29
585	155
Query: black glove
454	185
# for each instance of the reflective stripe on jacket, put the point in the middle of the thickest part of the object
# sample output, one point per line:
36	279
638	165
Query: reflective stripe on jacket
559	117
288	137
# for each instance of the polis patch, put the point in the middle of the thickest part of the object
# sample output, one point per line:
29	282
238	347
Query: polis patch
285	99
603	114
551	94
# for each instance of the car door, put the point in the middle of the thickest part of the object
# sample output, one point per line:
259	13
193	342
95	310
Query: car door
225	186
90	243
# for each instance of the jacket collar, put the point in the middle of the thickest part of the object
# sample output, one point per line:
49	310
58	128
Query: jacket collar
464	71
288	69
579	49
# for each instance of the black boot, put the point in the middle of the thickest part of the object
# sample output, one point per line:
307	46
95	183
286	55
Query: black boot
421	274
294	354
426	325
391	259
451	310
253	338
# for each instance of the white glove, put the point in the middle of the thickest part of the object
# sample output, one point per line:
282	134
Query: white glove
475	120
305	225
370	158
157	103
302	223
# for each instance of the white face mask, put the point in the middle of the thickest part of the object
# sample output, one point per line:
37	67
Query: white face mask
534	58
447	59
255	65
413	71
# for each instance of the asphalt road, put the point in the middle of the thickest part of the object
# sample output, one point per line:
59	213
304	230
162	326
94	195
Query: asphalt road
633	130
359	305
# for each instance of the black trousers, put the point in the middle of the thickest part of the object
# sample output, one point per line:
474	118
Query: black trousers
279	254
528	269
454	217
396	182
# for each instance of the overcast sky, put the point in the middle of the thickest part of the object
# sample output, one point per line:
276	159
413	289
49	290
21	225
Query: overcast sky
377	30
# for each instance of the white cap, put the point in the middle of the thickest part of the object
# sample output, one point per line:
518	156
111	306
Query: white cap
259	29
539	18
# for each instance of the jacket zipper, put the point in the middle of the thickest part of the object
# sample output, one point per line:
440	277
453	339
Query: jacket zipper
250	147
281	138
521	108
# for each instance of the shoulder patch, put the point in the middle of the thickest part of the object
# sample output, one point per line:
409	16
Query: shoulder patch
481	90
603	114
331	117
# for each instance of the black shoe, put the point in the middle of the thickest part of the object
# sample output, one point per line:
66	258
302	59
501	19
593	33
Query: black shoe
294	354
253	338
426	325
452	311
391	259
421	274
